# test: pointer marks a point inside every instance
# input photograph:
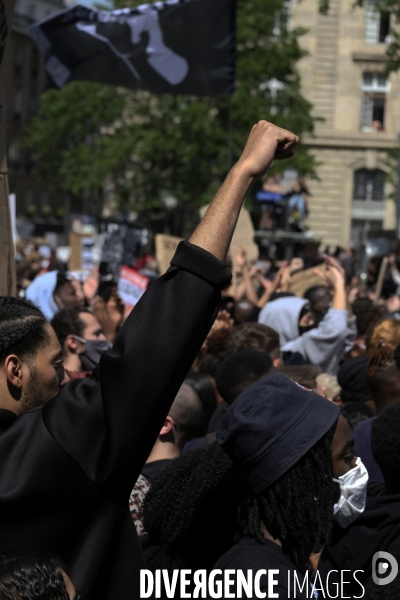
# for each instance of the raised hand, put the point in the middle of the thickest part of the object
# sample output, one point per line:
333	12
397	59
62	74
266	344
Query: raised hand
241	257
334	274
91	284
267	142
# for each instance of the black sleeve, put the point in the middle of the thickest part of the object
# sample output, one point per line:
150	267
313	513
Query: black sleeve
109	422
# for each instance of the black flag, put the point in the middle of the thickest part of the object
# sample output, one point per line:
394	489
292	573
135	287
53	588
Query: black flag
176	46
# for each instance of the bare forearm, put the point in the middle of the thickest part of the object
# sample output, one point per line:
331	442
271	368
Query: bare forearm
215	231
249	287
339	298
265	143
261	302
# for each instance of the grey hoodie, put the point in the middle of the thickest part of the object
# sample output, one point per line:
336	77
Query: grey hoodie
323	346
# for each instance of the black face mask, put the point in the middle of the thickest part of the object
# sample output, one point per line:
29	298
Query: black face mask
306	328
318	316
92	353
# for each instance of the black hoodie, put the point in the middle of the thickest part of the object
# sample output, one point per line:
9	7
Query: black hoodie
377	529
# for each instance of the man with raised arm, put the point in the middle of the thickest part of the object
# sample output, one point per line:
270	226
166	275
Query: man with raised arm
70	455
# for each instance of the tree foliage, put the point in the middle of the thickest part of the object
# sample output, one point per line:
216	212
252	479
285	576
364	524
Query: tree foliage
386	7
89	136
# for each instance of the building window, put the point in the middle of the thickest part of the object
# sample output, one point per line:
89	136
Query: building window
14	155
377	24
374	90
368	207
369	185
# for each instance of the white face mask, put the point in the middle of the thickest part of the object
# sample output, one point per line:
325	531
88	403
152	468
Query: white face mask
353	495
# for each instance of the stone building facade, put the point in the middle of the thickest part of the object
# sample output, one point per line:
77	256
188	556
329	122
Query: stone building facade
27	79
344	78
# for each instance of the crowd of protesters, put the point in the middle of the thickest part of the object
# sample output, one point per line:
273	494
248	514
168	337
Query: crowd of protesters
225	424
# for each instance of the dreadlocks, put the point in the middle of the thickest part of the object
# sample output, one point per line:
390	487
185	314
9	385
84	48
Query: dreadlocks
198	494
297	508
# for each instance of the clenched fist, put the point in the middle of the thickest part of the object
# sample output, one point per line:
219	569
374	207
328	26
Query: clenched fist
266	143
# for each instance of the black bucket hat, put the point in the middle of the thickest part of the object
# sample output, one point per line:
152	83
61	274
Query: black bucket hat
271	426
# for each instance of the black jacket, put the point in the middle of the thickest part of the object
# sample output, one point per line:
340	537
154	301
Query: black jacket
251	555
378	528
67	468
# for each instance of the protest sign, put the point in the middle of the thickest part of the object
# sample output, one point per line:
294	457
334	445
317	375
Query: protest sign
131	287
165	250
381	277
242	237
81	252
303	280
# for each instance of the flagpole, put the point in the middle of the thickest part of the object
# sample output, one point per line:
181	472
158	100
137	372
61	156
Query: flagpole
230	133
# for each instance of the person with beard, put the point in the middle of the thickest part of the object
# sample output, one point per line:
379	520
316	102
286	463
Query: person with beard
69	465
378	528
81	338
322	344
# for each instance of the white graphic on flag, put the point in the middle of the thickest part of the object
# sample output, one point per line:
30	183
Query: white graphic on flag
172	67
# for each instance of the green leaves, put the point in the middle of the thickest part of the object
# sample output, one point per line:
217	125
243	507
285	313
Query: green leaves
90	136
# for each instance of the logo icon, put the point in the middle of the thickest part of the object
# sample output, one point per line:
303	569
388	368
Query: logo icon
384	568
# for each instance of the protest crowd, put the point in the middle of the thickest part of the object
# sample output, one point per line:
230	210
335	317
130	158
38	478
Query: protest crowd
223	424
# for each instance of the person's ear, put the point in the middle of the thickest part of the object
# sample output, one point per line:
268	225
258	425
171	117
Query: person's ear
168	426
72	344
14	371
277	363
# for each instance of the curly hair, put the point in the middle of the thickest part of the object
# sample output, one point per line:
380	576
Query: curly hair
195	498
22	329
381	345
297	508
32	578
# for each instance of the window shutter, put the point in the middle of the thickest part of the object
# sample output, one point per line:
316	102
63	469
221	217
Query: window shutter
372	23
367	111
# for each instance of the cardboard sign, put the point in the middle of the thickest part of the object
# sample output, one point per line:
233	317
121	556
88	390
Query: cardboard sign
243	236
166	246
81	252
131	286
304	280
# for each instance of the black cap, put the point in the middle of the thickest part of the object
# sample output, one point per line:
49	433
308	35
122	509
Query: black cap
271	426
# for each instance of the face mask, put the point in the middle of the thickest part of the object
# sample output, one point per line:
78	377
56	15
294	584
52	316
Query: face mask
306	328
93	351
353	495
